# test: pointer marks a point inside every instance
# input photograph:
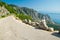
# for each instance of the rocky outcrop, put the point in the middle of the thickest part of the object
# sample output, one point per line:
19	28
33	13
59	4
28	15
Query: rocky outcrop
33	24
39	25
43	24
3	11
50	29
27	21
36	16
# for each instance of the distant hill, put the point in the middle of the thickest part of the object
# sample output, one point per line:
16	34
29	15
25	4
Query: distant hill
33	13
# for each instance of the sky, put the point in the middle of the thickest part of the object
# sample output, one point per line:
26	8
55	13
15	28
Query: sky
52	6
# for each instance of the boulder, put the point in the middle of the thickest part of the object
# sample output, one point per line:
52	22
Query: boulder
43	25
29	22
59	31
37	25
25	21
50	29
33	24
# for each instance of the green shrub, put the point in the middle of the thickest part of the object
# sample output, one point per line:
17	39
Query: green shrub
23	16
3	16
8	7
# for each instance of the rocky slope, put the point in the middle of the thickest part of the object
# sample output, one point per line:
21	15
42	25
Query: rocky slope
35	15
27	11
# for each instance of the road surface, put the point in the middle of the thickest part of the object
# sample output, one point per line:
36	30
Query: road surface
12	29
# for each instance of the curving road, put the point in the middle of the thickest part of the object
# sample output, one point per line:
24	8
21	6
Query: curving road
12	29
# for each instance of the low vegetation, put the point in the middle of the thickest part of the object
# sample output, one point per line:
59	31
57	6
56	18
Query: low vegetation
12	11
56	27
23	16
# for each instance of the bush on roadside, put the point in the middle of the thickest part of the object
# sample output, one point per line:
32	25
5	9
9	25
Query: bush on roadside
3	16
23	16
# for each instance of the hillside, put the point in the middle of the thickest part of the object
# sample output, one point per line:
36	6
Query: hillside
24	13
33	13
27	11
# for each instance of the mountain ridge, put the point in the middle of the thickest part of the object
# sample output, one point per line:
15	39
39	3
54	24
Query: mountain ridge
35	15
